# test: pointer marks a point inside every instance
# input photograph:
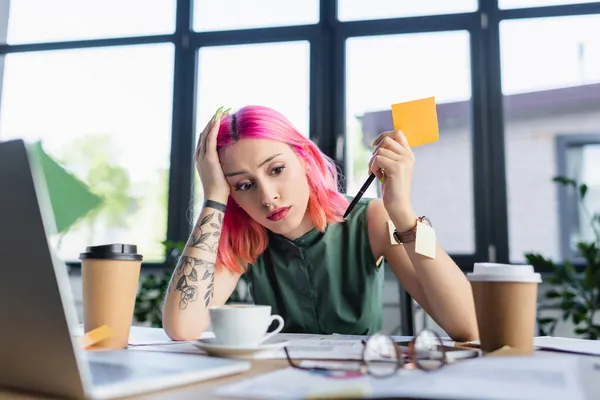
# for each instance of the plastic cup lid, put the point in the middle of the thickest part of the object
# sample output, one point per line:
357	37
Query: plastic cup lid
494	272
115	251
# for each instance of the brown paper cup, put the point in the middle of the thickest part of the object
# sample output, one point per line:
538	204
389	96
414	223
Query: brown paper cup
110	276
505	299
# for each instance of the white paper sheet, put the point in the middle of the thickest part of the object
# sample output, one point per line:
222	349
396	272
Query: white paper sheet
493	378
581	346
306	346
301	346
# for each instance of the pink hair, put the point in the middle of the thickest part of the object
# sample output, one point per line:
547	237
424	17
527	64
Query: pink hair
243	239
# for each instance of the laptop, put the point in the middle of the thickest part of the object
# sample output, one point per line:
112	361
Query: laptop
39	351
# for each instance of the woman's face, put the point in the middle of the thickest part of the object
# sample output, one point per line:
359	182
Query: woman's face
268	181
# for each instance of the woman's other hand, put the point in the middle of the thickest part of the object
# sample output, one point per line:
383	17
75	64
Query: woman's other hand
207	161
392	163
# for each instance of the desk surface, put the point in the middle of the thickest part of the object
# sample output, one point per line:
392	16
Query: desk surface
195	391
204	390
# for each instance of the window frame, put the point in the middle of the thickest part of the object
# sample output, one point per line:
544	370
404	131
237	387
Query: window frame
567	206
327	97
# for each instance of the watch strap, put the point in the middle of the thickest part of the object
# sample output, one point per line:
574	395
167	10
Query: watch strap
411	234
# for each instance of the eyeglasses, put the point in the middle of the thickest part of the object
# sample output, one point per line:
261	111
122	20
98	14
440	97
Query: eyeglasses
381	356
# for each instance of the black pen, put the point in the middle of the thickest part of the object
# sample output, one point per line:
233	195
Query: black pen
360	193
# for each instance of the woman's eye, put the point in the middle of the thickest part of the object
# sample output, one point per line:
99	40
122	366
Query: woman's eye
278	170
243	186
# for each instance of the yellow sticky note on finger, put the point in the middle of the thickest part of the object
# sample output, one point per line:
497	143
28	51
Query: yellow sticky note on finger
418	121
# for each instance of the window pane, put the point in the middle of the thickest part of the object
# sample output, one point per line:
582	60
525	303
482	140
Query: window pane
552	91
278	78
537	3
33	21
351	10
583	164
104	115
219	15
443	183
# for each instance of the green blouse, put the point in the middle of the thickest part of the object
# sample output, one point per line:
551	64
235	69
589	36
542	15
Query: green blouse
322	283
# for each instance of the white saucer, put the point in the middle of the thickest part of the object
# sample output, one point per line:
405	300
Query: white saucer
213	348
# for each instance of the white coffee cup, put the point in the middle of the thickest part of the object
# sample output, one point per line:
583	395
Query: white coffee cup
243	324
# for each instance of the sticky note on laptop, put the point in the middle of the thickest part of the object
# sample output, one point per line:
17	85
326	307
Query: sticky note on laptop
418	121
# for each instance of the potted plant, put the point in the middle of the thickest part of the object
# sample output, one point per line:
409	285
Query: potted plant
574	290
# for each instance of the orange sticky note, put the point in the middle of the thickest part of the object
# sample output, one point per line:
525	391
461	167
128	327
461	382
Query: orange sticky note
96	335
417	119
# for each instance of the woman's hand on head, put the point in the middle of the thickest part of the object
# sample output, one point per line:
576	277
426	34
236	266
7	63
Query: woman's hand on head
207	161
392	163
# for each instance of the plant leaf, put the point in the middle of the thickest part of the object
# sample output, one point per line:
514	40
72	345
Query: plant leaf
539	262
589	280
569	295
545	321
583	190
581	331
579	317
567	305
565	181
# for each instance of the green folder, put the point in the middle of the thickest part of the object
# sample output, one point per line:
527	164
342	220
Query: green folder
71	199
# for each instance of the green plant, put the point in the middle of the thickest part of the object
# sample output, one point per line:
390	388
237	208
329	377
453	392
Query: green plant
153	288
575	291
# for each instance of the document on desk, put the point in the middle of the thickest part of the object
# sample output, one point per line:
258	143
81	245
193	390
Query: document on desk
494	378
579	346
309	346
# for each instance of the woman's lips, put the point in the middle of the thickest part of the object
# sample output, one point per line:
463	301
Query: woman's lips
278	214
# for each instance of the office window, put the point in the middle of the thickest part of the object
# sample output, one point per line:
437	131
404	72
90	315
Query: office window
551	91
503	4
104	114
578	159
275	75
384	70
32	21
352	10
220	15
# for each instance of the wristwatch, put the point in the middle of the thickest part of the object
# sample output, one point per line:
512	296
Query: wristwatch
410	235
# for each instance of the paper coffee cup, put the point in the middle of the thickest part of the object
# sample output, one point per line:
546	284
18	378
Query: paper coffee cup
110	276
505	299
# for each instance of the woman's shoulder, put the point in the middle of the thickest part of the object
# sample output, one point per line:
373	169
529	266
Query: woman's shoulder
369	208
361	205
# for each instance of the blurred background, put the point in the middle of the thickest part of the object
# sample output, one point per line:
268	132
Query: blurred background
116	91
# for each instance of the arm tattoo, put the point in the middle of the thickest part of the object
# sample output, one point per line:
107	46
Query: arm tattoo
201	239
206	237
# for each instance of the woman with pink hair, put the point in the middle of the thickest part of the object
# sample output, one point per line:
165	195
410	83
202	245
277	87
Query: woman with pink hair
272	211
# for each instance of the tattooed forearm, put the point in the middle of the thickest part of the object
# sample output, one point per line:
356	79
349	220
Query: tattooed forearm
205	237
201	238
